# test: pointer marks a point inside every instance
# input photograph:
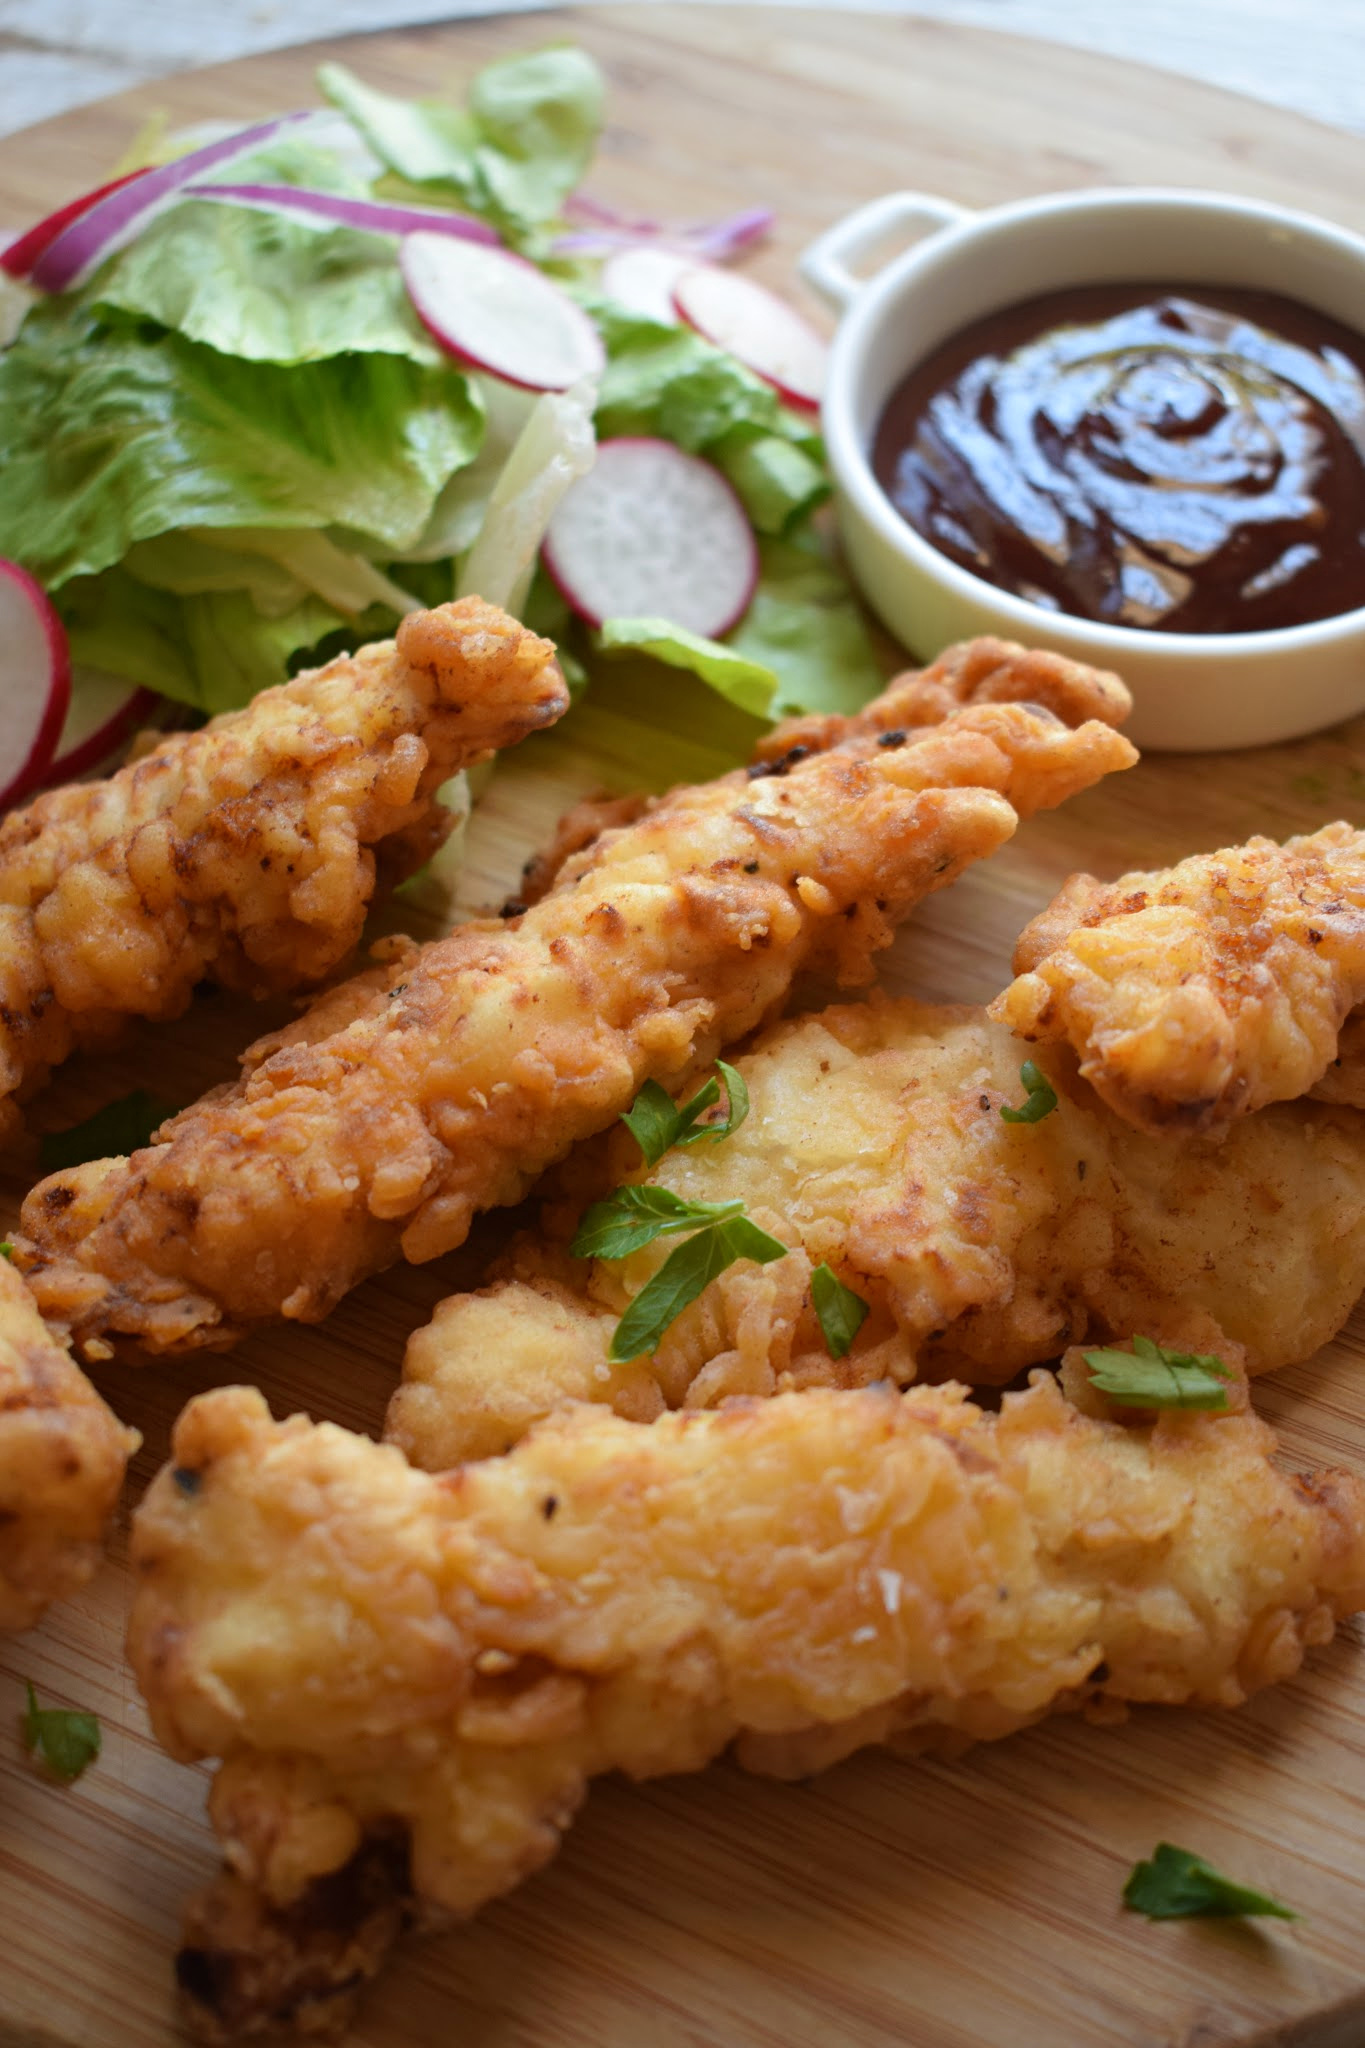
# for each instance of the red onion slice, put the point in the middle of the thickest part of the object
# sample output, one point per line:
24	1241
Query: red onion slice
374	216
23	251
112	221
602	231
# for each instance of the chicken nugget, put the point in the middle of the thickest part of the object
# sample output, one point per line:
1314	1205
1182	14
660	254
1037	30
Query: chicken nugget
1200	993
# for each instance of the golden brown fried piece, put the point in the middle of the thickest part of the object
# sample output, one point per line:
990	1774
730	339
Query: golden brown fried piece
473	1064
247	852
1199	994
412	1679
62	1457
875	1144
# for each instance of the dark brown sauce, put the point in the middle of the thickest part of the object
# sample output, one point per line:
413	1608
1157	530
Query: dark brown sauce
1162	456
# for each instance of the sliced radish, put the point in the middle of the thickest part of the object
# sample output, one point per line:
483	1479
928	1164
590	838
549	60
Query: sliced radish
78	248
653	533
104	711
497	311
35	681
374	216
752	323
23	252
643	281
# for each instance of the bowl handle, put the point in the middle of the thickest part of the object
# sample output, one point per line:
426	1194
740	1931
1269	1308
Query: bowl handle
825	264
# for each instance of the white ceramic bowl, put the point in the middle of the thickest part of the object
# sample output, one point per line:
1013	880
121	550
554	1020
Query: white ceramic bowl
1191	691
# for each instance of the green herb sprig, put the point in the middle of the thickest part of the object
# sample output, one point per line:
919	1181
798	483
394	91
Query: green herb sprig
1151	1377
841	1311
1175	1884
66	1740
1042	1097
657	1123
633	1217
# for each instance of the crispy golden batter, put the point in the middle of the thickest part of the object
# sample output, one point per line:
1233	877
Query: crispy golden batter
471	1066
247	852
1197	994
386	1660
875	1144
62	1456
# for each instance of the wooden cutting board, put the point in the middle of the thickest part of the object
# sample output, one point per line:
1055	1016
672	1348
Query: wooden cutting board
921	1905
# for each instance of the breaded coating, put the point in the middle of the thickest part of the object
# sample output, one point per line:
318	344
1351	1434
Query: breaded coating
411	1679
471	1066
62	1458
875	1144
1198	994
246	853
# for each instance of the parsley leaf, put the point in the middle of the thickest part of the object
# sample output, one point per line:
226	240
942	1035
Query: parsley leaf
657	1123
7	1251
67	1741
112	1132
841	1311
1154	1378
634	1216
1042	1097
1177	1885
684	1274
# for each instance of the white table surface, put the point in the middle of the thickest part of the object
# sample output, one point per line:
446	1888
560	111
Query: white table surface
1304	54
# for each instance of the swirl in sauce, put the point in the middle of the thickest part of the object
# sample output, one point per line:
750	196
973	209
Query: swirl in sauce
1160	456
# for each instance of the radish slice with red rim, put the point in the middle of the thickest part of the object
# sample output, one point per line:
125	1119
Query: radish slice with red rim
498	312
643	281
115	219
35	682
372	216
653	533
22	253
104	711
766	334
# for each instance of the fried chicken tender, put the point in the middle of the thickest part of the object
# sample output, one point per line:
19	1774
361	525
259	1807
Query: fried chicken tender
247	852
1198	994
470	1066
411	1679
875	1144
62	1459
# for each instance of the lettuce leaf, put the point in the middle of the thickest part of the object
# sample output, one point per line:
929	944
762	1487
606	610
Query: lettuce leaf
555	447
110	434
745	683
807	626
266	288
670	382
511	157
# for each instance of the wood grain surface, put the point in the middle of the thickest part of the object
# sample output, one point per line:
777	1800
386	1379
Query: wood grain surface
924	1905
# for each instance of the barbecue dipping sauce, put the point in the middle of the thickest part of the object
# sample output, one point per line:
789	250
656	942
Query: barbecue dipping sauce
1163	456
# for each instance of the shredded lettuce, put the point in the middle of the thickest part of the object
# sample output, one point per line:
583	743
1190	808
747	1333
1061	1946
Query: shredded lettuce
110	434
512	156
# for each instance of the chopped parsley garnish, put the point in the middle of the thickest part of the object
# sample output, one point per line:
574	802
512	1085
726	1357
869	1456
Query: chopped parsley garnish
633	1217
1042	1097
1150	1377
66	1740
841	1311
657	1123
1177	1885
7	1251
112	1132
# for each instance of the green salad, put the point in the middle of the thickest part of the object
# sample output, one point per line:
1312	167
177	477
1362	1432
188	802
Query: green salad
234	449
